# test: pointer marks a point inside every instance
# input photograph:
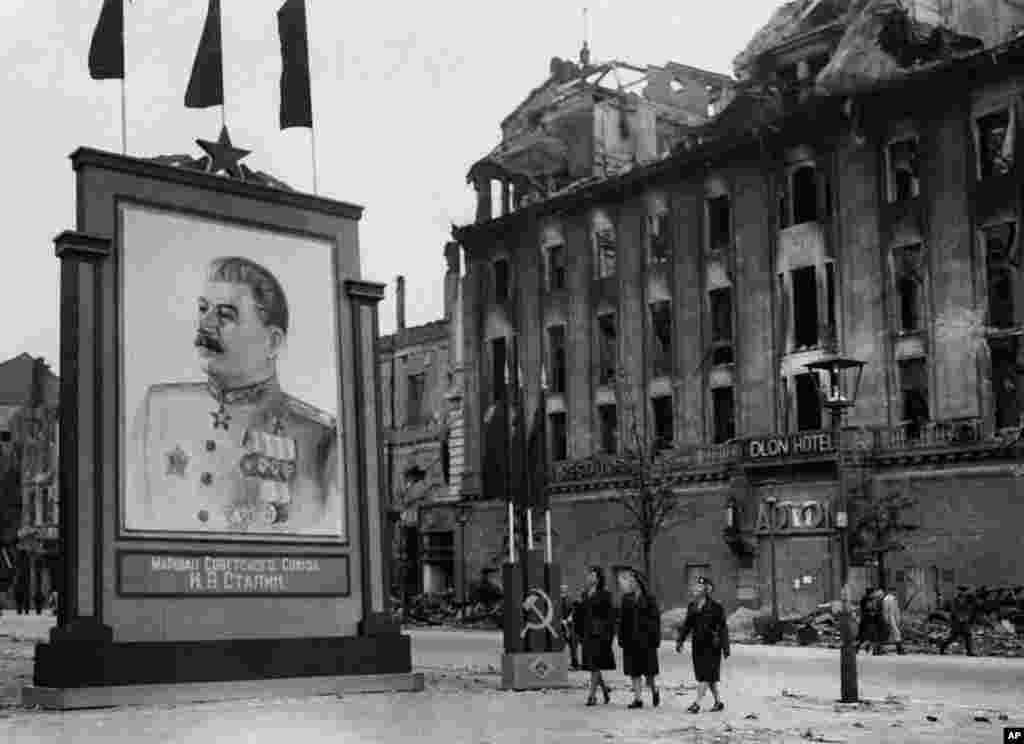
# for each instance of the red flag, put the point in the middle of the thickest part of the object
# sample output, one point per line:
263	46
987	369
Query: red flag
296	100
106	52
206	85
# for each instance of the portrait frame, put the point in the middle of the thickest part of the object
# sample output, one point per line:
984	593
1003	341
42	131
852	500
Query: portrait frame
125	410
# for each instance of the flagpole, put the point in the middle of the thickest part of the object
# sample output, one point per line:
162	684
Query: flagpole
309	65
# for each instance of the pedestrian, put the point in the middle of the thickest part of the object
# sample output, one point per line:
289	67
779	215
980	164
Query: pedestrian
705	619
595	627
893	619
871	631
568	634
639	636
961	621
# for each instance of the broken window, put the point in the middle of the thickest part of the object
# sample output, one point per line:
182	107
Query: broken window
719	223
808	404
1002	265
660	245
606	249
805	307
608	416
830	300
995	143
722	406
556	351
914	386
501	280
904	178
416	387
1005	381
661	327
909	288
661	407
499	368
556	268
607	357
559	436
805	194
721	325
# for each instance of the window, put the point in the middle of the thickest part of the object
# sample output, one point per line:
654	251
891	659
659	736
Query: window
907	289
609	418
830	299
1005	384
5	436
606	252
607	341
660	246
995	143
805	307
1002	265
904	178
556	268
724	418
556	351
416	387
662	409
721	325
501	280
559	436
499	368
719	223
661	327
808	405
914	385
805	194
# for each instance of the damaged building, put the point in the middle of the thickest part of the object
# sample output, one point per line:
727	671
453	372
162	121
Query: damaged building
671	247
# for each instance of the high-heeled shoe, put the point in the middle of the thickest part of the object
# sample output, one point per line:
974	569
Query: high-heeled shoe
591	701
607	694
636	704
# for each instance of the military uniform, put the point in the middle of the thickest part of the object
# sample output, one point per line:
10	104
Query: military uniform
250	460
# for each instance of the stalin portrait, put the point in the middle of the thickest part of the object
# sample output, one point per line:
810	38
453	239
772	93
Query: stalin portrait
233	453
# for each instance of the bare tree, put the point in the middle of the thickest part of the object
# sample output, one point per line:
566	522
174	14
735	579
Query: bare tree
879	523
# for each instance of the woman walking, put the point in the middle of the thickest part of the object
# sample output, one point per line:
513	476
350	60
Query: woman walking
639	636
705	619
595	627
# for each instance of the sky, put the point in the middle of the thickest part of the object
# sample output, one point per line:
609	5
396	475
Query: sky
406	96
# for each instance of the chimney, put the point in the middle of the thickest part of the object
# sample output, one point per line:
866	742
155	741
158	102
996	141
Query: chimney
400	302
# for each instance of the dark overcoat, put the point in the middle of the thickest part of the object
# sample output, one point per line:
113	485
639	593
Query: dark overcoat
639	634
594	623
710	638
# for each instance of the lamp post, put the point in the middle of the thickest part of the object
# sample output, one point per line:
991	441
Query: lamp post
462	515
839	392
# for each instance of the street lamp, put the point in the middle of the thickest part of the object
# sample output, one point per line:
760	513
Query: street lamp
839	392
462	514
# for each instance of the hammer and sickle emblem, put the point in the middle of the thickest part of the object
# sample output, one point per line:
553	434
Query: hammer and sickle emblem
539	605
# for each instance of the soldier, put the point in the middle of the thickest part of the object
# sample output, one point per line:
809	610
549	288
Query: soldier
234	453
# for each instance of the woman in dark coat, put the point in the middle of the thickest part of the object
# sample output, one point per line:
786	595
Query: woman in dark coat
595	627
705	619
639	635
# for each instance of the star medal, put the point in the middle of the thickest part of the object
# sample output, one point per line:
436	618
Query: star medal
221	418
177	461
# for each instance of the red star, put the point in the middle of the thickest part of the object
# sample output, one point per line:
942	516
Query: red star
223	155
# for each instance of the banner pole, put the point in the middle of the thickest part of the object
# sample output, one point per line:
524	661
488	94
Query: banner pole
511	533
547	528
529	529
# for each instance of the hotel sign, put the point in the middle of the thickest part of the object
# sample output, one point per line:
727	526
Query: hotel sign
792	516
805	444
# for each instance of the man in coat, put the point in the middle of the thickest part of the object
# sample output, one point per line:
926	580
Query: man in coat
568	607
234	453
893	619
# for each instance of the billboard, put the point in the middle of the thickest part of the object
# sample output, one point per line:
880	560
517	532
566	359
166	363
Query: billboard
229	380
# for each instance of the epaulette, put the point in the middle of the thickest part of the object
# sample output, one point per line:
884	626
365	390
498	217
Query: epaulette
305	410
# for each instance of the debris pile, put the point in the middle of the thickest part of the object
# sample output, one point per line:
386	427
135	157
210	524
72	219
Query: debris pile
425	610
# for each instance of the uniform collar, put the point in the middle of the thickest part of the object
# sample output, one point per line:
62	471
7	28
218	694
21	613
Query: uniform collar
254	393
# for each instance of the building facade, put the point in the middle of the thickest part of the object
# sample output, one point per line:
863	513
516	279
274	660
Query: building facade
423	445
29	500
856	190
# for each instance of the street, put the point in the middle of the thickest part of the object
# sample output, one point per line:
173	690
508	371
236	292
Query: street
463	703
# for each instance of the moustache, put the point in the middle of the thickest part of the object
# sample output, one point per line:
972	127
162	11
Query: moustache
206	341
